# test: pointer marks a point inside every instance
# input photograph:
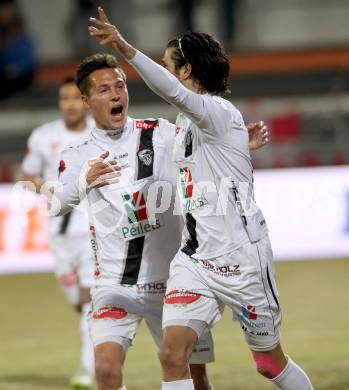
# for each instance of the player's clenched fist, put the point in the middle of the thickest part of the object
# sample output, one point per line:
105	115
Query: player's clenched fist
102	172
108	34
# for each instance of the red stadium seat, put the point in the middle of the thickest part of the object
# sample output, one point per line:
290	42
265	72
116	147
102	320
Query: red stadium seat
285	127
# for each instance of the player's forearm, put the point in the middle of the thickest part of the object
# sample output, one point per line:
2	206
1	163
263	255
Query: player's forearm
127	51
65	198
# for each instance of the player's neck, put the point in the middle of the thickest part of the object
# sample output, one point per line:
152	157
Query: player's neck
78	126
194	86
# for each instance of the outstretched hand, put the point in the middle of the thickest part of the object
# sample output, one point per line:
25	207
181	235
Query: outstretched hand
108	34
258	135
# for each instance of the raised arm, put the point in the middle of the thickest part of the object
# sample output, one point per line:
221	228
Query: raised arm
160	80
167	86
196	106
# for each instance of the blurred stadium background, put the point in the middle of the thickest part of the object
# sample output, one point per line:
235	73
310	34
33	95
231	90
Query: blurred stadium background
290	68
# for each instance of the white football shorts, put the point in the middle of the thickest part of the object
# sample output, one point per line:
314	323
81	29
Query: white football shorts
74	264
117	312
243	280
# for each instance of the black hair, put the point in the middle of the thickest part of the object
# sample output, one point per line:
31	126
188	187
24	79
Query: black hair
209	63
92	63
68	80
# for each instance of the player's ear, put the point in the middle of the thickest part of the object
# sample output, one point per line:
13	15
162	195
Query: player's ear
85	101
186	71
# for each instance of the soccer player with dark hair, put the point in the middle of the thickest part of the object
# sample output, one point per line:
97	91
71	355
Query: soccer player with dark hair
226	257
210	71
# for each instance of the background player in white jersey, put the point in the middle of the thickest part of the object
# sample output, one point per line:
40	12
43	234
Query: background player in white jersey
69	235
226	257
132	254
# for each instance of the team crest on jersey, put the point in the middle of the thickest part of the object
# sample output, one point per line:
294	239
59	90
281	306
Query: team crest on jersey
146	157
190	201
137	216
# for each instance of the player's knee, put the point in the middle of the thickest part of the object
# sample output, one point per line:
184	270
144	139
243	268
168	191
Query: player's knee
173	357
108	372
267	365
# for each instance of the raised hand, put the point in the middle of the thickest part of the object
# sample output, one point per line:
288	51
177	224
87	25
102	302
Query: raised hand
108	34
258	135
102	172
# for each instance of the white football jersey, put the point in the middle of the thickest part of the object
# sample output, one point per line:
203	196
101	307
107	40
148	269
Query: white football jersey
130	247
45	145
215	176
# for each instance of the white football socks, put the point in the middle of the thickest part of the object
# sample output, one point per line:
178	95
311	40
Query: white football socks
186	384
292	378
87	359
123	387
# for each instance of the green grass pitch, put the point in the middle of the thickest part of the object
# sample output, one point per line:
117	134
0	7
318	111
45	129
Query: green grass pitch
39	339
